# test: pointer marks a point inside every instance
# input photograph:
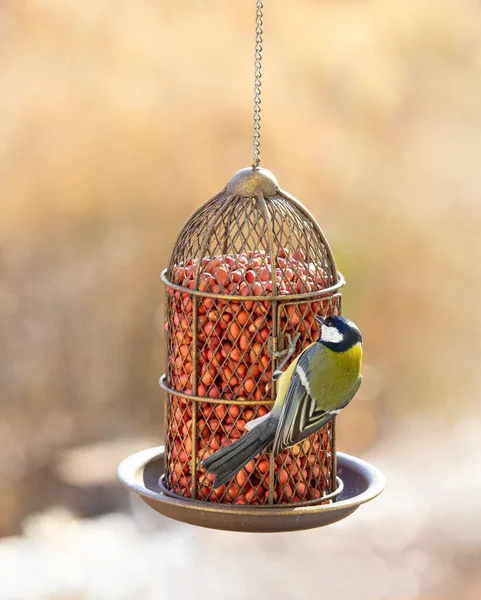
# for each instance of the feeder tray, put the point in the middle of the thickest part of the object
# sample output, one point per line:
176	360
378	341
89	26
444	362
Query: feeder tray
142	473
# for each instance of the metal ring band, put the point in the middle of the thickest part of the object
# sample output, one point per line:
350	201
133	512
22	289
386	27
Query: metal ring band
281	299
336	492
172	392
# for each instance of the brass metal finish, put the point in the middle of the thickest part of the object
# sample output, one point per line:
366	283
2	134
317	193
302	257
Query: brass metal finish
254	221
141	474
238	402
234	298
275	229
250	181
326	498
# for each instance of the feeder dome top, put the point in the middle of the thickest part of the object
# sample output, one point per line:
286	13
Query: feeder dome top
250	181
252	217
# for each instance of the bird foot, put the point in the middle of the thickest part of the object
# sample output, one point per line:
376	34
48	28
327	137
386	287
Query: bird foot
285	354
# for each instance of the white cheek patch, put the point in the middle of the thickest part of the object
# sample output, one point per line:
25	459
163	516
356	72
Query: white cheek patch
331	335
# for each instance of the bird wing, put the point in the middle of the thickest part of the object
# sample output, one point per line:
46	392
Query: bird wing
301	413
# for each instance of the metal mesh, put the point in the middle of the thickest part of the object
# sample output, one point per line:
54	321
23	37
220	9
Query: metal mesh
245	273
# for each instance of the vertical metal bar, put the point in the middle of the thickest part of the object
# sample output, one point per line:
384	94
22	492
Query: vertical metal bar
275	346
333	430
166	444
270	497
333	457
193	463
195	311
273	397
167	339
272	251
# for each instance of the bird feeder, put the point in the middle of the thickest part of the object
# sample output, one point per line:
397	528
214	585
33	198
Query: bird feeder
249	272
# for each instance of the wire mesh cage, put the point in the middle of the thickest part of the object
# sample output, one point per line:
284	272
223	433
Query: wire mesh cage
249	272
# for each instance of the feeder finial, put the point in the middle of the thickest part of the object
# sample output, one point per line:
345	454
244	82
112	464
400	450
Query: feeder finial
247	182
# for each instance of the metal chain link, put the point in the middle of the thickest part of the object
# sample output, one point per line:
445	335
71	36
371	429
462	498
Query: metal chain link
257	85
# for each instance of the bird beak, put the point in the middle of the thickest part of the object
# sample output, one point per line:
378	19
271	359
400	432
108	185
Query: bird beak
320	320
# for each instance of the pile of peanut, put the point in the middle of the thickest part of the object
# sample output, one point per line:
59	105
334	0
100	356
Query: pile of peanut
234	362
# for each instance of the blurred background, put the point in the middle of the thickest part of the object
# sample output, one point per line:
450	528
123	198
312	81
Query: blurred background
117	119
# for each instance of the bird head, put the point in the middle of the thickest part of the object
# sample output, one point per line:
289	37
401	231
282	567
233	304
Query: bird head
338	334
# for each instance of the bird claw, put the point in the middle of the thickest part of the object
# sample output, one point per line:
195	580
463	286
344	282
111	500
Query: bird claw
292	343
285	354
291	346
278	353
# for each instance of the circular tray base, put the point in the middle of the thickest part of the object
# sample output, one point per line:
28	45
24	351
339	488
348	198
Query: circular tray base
141	473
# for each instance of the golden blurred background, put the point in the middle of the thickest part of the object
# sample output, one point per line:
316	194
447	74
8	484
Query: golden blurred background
117	119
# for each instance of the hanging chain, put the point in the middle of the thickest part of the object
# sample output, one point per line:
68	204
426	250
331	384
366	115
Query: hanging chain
257	85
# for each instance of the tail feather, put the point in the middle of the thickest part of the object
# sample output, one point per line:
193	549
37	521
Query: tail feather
225	463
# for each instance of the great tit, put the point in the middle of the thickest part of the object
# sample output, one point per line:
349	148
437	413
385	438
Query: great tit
315	387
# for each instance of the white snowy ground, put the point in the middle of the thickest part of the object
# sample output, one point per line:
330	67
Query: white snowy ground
421	539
